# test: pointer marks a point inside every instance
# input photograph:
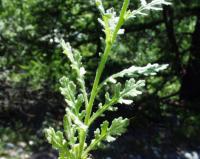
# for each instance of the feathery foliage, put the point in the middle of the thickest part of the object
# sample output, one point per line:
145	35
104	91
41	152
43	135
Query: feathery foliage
72	143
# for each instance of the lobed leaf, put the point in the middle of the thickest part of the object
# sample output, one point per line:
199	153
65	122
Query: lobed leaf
109	134
133	71
117	128
74	128
131	89
55	138
153	5
109	22
76	64
68	90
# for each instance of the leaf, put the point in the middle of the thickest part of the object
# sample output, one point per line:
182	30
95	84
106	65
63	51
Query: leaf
68	90
117	89
109	21
67	50
118	127
55	138
75	58
101	134
153	5
122	96
75	151
134	71
78	104
131	87
159	2
150	69
131	90
109	134
69	130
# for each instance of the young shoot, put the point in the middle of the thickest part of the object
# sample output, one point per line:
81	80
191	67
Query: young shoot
71	142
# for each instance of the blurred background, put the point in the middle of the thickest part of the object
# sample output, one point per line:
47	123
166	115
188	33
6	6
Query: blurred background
165	120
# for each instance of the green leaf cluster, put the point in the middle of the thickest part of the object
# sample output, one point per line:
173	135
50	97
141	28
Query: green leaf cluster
79	117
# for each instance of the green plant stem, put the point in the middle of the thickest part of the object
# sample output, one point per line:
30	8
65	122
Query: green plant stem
100	69
84	93
93	145
104	60
93	94
102	110
96	81
121	19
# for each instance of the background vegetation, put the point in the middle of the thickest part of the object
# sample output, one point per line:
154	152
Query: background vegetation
167	116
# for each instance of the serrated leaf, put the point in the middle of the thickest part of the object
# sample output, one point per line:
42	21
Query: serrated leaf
67	50
122	96
109	22
150	69
134	71
75	58
131	89
101	134
55	138
109	134
118	126
68	90
159	2
153	5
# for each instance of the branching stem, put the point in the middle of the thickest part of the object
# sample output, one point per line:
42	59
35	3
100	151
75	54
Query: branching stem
99	72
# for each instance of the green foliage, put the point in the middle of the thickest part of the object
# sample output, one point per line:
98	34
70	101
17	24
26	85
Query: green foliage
109	134
55	138
79	117
31	57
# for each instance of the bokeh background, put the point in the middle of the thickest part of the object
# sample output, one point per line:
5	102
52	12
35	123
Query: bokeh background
165	120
